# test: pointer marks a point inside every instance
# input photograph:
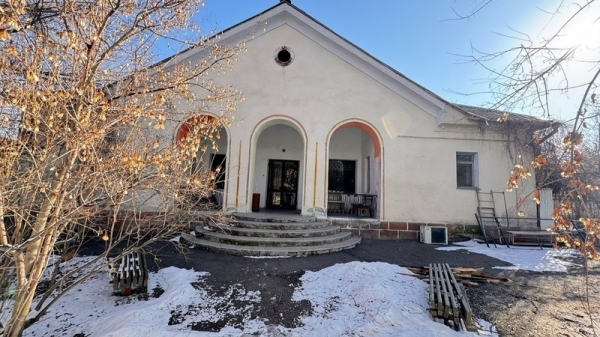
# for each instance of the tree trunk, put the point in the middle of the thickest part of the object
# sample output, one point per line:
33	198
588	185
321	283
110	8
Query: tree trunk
30	262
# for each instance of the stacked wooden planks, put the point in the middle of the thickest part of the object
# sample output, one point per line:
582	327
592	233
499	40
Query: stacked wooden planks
447	298
471	277
129	274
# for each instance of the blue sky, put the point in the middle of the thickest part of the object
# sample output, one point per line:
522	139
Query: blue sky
419	38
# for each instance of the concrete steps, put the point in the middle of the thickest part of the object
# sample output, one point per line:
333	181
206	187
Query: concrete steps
271	235
277	225
218	247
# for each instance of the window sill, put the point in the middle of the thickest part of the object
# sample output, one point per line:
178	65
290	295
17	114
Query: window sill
466	188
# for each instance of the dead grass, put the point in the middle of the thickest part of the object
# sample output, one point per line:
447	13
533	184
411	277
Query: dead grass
541	304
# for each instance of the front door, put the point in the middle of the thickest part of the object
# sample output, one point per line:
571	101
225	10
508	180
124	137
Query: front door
282	188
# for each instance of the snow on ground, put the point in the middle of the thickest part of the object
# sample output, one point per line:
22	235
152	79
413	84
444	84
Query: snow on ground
367	299
524	258
351	299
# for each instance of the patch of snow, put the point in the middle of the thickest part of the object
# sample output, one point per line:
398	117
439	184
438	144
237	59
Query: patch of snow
524	258
368	299
485	328
176	239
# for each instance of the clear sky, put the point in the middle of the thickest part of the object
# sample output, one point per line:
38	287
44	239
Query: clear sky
420	38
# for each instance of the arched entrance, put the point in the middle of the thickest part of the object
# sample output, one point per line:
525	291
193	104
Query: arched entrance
278	164
354	170
210	160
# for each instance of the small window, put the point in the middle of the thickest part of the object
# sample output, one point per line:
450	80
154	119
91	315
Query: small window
466	170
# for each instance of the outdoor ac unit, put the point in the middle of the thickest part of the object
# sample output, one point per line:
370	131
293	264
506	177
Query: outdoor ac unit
434	235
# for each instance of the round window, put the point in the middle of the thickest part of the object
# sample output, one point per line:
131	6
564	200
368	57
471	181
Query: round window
283	56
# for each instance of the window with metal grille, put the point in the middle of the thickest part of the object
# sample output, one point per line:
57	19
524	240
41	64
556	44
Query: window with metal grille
342	176
466	169
217	166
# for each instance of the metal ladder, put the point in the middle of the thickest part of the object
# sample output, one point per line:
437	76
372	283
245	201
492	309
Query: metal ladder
486	209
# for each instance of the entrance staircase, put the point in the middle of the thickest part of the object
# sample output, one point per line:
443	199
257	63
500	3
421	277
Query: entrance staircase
258	234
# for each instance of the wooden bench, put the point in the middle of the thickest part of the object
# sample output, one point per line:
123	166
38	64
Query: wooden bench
447	298
536	238
129	274
335	202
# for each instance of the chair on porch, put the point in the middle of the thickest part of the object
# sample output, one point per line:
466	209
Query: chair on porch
363	205
335	202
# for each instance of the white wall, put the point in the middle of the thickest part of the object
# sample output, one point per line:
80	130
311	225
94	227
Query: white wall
271	145
318	92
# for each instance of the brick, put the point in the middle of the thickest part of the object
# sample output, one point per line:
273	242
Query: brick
370	233
346	224
388	235
408	235
355	232
375	226
398	226
415	226
455	227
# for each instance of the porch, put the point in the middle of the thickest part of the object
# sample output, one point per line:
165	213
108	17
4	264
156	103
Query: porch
360	205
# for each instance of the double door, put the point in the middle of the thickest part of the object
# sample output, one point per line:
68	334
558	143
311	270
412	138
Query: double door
282	185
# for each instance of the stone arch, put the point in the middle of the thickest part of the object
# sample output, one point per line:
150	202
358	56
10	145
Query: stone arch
280	147
359	142
214	159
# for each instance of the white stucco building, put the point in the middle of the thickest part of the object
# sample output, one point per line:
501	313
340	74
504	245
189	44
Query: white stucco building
325	125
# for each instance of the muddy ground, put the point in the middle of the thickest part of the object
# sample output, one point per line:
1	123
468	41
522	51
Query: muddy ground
541	304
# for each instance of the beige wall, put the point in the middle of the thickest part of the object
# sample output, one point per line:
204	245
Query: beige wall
319	91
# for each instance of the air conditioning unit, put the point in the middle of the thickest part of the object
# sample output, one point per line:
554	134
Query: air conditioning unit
434	235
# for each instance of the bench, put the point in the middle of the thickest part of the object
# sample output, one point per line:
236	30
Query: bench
336	202
535	238
447	298
129	274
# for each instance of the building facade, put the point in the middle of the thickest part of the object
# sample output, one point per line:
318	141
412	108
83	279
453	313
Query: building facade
326	129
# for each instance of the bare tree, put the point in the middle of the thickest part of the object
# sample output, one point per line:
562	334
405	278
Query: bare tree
82	109
536	72
566	159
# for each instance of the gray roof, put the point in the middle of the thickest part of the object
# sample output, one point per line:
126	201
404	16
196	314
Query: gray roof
494	116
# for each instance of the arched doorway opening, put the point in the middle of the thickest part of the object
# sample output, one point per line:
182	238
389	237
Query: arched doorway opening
210	161
278	165
354	171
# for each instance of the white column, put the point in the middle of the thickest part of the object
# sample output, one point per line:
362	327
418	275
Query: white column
546	208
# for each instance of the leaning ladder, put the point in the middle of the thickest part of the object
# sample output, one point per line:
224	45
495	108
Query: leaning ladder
486	209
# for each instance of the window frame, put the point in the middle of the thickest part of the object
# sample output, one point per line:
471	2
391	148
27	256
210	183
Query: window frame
474	169
347	180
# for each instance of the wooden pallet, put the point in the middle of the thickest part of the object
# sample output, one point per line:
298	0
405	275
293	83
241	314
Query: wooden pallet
129	274
447	298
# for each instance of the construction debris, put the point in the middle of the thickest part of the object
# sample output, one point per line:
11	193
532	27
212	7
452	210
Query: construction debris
447	298
470	277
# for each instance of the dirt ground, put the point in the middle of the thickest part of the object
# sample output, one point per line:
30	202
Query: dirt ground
541	304
533	304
